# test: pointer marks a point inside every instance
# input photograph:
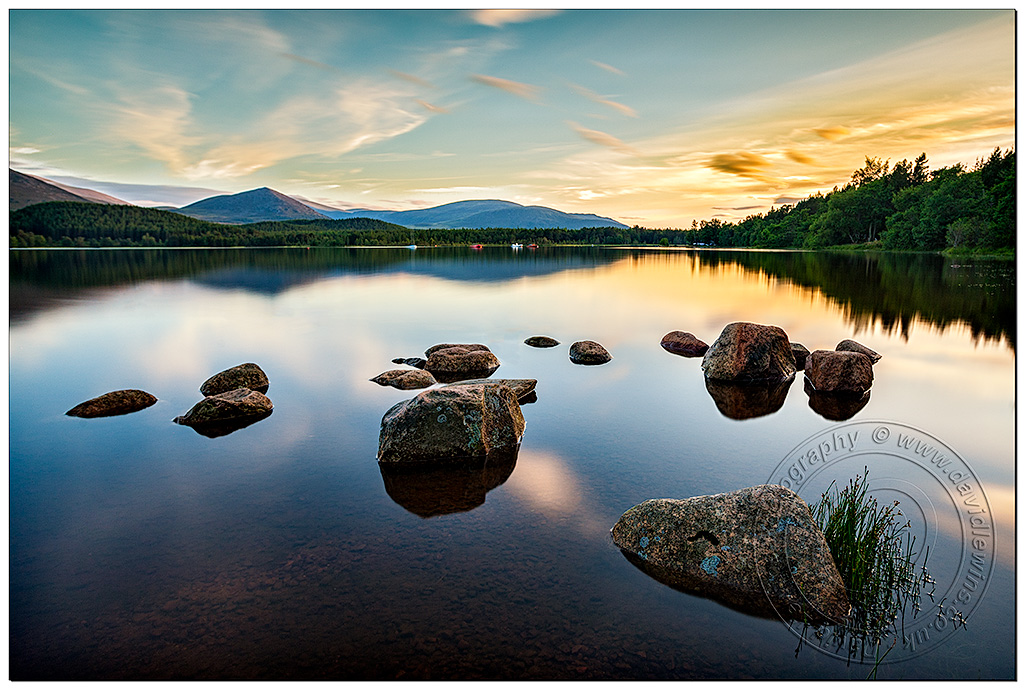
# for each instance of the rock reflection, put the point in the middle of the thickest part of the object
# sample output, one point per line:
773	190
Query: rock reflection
222	428
835	406
747	400
430	490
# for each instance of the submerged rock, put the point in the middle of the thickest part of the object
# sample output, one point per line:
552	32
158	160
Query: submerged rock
415	362
248	376
405	379
232	407
430	490
757	549
522	387
747	400
588	353
833	406
684	344
541	341
799	355
853	346
750	353
449	363
113	403
454	423
839	372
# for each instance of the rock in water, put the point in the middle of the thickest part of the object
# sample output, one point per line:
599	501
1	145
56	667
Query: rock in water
684	344
228	407
454	423
853	346
449	363
522	387
839	372
248	376
750	353
415	361
113	404
588	353
756	549
799	355
404	379
541	341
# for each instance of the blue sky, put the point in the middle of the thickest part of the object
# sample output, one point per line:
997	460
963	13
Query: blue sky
651	117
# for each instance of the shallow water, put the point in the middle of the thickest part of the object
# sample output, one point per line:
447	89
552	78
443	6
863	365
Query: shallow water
143	550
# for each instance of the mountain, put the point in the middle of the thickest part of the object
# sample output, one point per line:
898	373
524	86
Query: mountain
483	213
26	190
255	205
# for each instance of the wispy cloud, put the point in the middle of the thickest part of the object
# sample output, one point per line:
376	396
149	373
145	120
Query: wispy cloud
431	107
498	18
798	157
516	88
157	120
602	100
412	79
833	133
607	67
602	138
744	164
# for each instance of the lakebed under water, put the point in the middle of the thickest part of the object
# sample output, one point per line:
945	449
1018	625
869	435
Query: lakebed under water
143	550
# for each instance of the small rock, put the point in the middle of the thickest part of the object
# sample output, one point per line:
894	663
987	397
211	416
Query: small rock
839	372
469	347
684	344
541	341
750	353
799	355
415	362
449	363
853	346
113	404
757	549
589	353
405	379
249	376
234	405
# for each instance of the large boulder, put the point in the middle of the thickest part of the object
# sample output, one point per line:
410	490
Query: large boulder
588	353
741	401
231	407
541	341
113	404
839	372
684	344
757	549
750	353
854	346
522	387
405	379
249	376
449	363
454	423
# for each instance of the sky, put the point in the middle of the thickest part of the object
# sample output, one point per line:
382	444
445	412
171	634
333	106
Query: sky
652	117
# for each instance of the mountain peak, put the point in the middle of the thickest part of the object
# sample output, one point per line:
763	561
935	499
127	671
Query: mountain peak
254	205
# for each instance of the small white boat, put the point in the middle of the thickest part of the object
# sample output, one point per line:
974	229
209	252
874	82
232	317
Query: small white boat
411	247
517	247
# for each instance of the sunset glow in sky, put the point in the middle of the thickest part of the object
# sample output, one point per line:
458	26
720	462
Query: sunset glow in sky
654	118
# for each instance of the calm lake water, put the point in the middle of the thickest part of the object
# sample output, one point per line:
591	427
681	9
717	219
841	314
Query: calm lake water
143	550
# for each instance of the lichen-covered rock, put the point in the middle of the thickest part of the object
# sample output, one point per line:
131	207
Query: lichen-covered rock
430	490
449	363
232	406
747	400
839	372
833	406
113	404
249	376
684	344
454	423
756	549
799	355
750	353
854	346
522	387
589	353
405	379
541	341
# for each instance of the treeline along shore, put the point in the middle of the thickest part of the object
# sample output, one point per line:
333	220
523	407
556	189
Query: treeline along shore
904	206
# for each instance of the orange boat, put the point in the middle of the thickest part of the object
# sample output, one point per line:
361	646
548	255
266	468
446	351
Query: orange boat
478	246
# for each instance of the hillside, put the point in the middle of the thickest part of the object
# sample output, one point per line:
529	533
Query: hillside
256	205
476	214
26	190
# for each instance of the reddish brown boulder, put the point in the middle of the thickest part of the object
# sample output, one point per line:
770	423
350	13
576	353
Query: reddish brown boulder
248	376
839	372
449	363
684	344
588	353
799	355
750	353
405	379
854	346
113	404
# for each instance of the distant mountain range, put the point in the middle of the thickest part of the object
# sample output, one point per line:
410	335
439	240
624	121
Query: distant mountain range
265	204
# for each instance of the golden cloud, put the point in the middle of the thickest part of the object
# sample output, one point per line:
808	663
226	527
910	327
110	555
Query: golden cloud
498	18
742	164
798	157
832	133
